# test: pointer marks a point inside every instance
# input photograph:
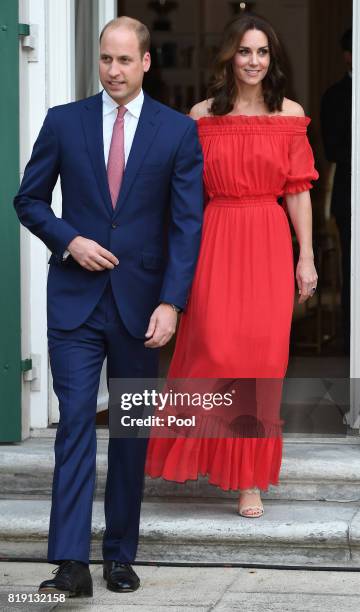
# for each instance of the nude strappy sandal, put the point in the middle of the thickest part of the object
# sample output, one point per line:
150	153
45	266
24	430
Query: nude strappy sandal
259	510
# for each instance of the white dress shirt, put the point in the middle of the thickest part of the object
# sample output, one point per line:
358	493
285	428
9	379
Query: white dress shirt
131	120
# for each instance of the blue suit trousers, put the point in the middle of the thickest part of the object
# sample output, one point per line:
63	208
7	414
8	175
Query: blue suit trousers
76	359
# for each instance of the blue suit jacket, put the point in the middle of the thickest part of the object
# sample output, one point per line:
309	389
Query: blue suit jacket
154	230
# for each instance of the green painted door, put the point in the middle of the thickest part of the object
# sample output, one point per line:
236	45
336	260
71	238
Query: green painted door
10	354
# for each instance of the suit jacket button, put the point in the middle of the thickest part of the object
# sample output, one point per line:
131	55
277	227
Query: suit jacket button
113	225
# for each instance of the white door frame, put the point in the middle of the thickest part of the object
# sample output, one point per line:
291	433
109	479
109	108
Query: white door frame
354	417
61	89
59	25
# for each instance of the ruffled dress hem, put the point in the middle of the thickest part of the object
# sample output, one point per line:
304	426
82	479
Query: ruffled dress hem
230	464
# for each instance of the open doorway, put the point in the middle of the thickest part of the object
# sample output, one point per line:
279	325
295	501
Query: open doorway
185	36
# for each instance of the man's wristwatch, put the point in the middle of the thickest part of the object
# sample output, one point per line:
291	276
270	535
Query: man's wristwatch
174	307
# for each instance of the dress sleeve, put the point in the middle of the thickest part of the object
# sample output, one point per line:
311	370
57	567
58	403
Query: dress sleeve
301	165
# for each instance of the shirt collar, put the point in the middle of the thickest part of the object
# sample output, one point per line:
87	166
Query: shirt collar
134	107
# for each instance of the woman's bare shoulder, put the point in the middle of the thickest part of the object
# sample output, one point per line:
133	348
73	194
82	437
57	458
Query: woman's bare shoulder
290	107
201	109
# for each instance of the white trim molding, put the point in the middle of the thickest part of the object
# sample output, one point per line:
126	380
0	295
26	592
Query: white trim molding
60	52
107	11
355	228
32	80
60	90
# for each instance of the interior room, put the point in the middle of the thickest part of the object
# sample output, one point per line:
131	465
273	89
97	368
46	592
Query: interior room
185	37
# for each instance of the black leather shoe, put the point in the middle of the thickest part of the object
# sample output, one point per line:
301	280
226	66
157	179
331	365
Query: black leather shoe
72	578
120	577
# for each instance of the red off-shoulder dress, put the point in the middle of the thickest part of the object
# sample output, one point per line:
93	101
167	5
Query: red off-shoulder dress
238	318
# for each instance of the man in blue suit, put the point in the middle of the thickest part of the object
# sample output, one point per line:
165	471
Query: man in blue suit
123	258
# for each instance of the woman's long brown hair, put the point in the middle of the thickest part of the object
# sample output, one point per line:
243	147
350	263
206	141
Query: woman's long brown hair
222	85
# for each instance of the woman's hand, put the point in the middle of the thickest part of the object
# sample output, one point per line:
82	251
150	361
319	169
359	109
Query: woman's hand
299	208
306	278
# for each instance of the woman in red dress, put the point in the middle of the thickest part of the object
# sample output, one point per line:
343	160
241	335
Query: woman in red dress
238	318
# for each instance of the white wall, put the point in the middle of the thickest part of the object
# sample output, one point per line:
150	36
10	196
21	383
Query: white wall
33	252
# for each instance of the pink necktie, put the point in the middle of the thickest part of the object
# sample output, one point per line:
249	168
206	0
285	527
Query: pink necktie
116	161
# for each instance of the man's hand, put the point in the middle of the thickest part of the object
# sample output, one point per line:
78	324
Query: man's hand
162	326
90	255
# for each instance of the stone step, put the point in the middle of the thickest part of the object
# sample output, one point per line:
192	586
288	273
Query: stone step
196	531
312	471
